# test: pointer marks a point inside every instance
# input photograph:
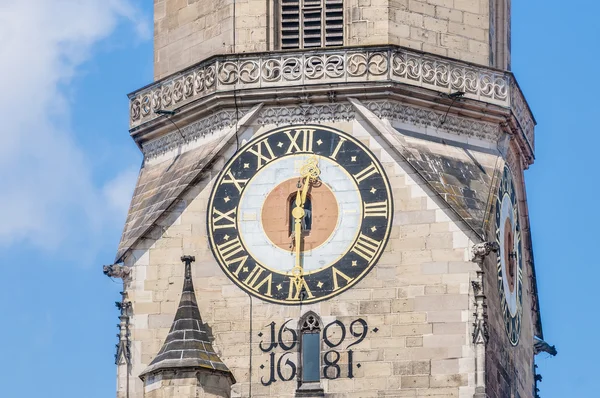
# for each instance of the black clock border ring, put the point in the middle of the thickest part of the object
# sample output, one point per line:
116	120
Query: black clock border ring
353	156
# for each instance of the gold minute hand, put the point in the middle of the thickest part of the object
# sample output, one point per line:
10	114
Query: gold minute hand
298	213
311	171
305	190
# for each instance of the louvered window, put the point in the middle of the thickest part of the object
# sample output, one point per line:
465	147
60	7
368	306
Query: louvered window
312	23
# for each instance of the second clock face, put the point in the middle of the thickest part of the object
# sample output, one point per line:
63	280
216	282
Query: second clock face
510	258
289	236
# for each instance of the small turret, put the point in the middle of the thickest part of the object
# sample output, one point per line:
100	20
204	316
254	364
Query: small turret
187	364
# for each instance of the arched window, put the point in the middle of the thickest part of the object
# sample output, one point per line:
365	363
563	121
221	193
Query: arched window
310	348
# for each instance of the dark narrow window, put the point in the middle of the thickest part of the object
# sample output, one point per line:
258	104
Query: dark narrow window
306	220
312	23
310	330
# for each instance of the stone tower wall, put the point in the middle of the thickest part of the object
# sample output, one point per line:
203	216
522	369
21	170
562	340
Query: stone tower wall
455	28
189	31
509	369
187	384
417	301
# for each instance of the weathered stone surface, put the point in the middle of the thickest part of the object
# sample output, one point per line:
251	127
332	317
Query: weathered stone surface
417	303
188	32
462	175
158	187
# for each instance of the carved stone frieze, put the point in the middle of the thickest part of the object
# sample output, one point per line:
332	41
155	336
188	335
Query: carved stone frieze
523	114
280	115
429	118
321	66
207	125
317	113
389	64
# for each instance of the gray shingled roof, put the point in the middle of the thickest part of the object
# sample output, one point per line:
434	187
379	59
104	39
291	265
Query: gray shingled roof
465	176
158	187
187	345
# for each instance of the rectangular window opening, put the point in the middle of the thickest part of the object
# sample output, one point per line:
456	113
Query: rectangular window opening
311	23
311	361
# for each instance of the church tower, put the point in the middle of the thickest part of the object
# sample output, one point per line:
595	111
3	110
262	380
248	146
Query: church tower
344	183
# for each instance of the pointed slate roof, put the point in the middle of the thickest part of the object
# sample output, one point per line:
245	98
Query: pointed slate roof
187	345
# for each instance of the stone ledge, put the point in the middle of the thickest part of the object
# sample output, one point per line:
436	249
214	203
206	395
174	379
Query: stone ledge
381	64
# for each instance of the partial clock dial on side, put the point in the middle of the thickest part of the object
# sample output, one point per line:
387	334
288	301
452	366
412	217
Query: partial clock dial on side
300	214
509	258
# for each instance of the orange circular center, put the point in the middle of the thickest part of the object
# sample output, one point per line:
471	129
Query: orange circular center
277	210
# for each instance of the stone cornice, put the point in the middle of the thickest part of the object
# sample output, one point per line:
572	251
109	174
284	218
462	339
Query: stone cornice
317	113
191	132
224	75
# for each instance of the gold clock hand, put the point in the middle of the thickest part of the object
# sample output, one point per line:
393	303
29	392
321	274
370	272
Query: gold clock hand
298	213
305	189
311	171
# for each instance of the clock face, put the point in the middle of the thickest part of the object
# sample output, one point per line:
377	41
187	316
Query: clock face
510	265
300	214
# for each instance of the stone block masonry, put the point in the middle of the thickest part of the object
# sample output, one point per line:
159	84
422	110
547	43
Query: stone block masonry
189	31
416	308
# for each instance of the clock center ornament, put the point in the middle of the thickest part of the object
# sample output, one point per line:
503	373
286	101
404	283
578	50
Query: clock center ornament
300	214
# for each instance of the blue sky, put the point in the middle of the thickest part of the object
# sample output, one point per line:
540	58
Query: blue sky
67	169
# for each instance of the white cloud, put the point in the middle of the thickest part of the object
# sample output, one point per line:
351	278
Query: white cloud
114	189
47	195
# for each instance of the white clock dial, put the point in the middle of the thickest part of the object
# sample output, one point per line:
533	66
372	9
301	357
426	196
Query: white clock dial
253	206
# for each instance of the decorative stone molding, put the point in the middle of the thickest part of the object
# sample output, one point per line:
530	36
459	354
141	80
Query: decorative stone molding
391	110
316	113
429	118
117	271
523	115
481	251
480	328
542	346
123	354
391	64
207	125
306	114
